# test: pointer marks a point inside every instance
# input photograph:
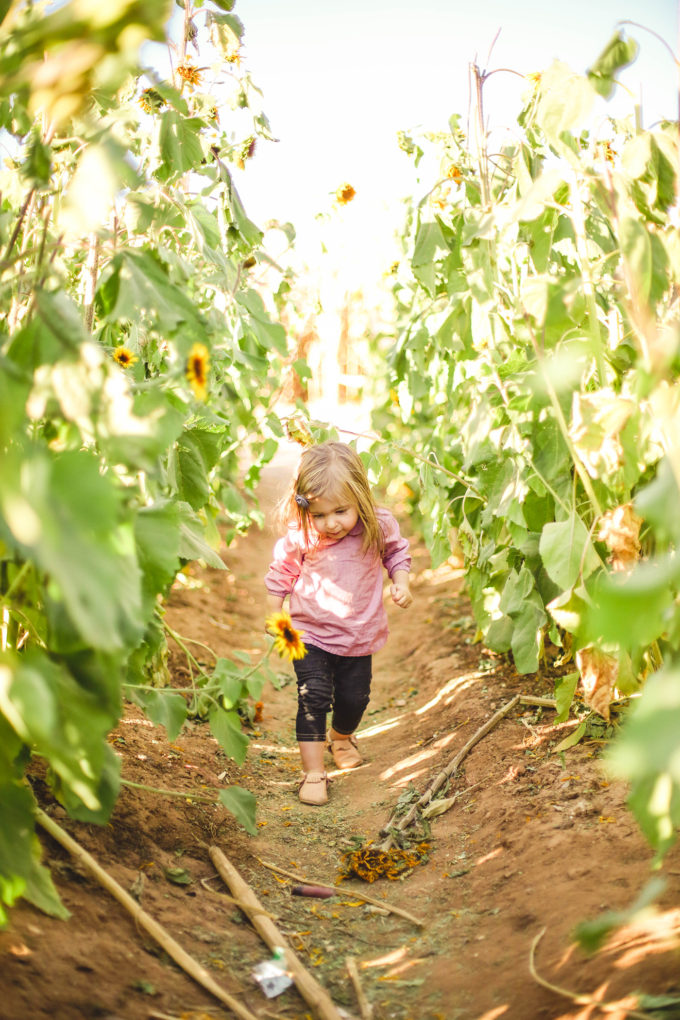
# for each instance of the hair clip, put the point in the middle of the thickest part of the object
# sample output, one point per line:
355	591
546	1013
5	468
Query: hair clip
301	501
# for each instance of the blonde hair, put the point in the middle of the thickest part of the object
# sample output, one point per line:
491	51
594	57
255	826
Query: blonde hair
332	471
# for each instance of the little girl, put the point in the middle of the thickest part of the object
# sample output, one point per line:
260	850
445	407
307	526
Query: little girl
330	563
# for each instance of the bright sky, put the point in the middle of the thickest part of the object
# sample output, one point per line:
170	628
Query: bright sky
340	79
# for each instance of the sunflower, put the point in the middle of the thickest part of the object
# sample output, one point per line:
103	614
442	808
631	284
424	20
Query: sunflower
345	194
190	74
124	357
198	364
151	101
287	641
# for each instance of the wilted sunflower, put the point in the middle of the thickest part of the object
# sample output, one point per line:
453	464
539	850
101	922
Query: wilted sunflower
151	101
198	364
287	640
190	74
124	357
345	194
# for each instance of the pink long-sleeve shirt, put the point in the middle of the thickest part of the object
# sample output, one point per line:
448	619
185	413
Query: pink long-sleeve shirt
336	591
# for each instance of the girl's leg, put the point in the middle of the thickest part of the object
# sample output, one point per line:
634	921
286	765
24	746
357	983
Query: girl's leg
352	693
315	693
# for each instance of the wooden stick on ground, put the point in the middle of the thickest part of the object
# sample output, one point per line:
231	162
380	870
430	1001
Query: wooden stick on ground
144	920
349	892
309	988
365	1007
440	779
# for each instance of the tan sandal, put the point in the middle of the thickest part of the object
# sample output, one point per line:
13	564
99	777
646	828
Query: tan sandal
314	788
345	753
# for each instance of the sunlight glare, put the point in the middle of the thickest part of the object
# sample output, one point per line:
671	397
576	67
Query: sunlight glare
382	727
458	684
407	763
385	961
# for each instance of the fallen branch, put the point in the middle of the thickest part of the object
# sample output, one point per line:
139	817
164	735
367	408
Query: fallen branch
144	920
579	1000
353	892
230	899
309	988
445	774
365	1007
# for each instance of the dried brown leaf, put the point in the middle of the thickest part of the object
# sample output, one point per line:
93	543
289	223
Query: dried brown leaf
599	674
620	531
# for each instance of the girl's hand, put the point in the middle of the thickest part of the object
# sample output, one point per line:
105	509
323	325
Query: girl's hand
401	595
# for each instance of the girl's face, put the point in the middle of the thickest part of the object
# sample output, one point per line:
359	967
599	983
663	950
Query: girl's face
332	518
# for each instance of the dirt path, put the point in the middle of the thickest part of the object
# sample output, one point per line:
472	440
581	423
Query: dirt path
532	843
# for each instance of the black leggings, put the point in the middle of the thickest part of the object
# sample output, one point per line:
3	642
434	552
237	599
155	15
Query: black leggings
325	681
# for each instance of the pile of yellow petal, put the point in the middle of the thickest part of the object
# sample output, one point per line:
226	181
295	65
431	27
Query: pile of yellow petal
287	640
370	863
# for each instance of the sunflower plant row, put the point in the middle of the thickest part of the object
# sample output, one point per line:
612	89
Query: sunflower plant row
137	363
534	374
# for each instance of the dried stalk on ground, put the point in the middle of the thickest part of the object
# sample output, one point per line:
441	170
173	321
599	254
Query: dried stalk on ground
399	826
365	1007
309	988
142	919
350	892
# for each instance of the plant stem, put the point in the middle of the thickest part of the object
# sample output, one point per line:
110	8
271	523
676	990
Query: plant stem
170	793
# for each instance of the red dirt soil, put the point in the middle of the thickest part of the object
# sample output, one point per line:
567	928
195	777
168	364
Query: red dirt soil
533	844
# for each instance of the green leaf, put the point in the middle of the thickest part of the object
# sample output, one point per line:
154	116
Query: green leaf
567	551
178	876
636	246
192	543
591	934
565	101
565	688
140	285
226	728
21	873
196	453
527	641
63	514
572	739
617	54
268	334
229	681
65	723
631	609
163	708
180	145
241	804
157	535
645	754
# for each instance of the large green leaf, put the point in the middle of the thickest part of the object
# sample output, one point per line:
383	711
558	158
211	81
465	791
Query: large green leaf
157	534
136	284
646	754
617	54
180	144
241	804
565	101
192	540
633	608
269	334
64	723
164	708
63	513
226	728
20	852
567	551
